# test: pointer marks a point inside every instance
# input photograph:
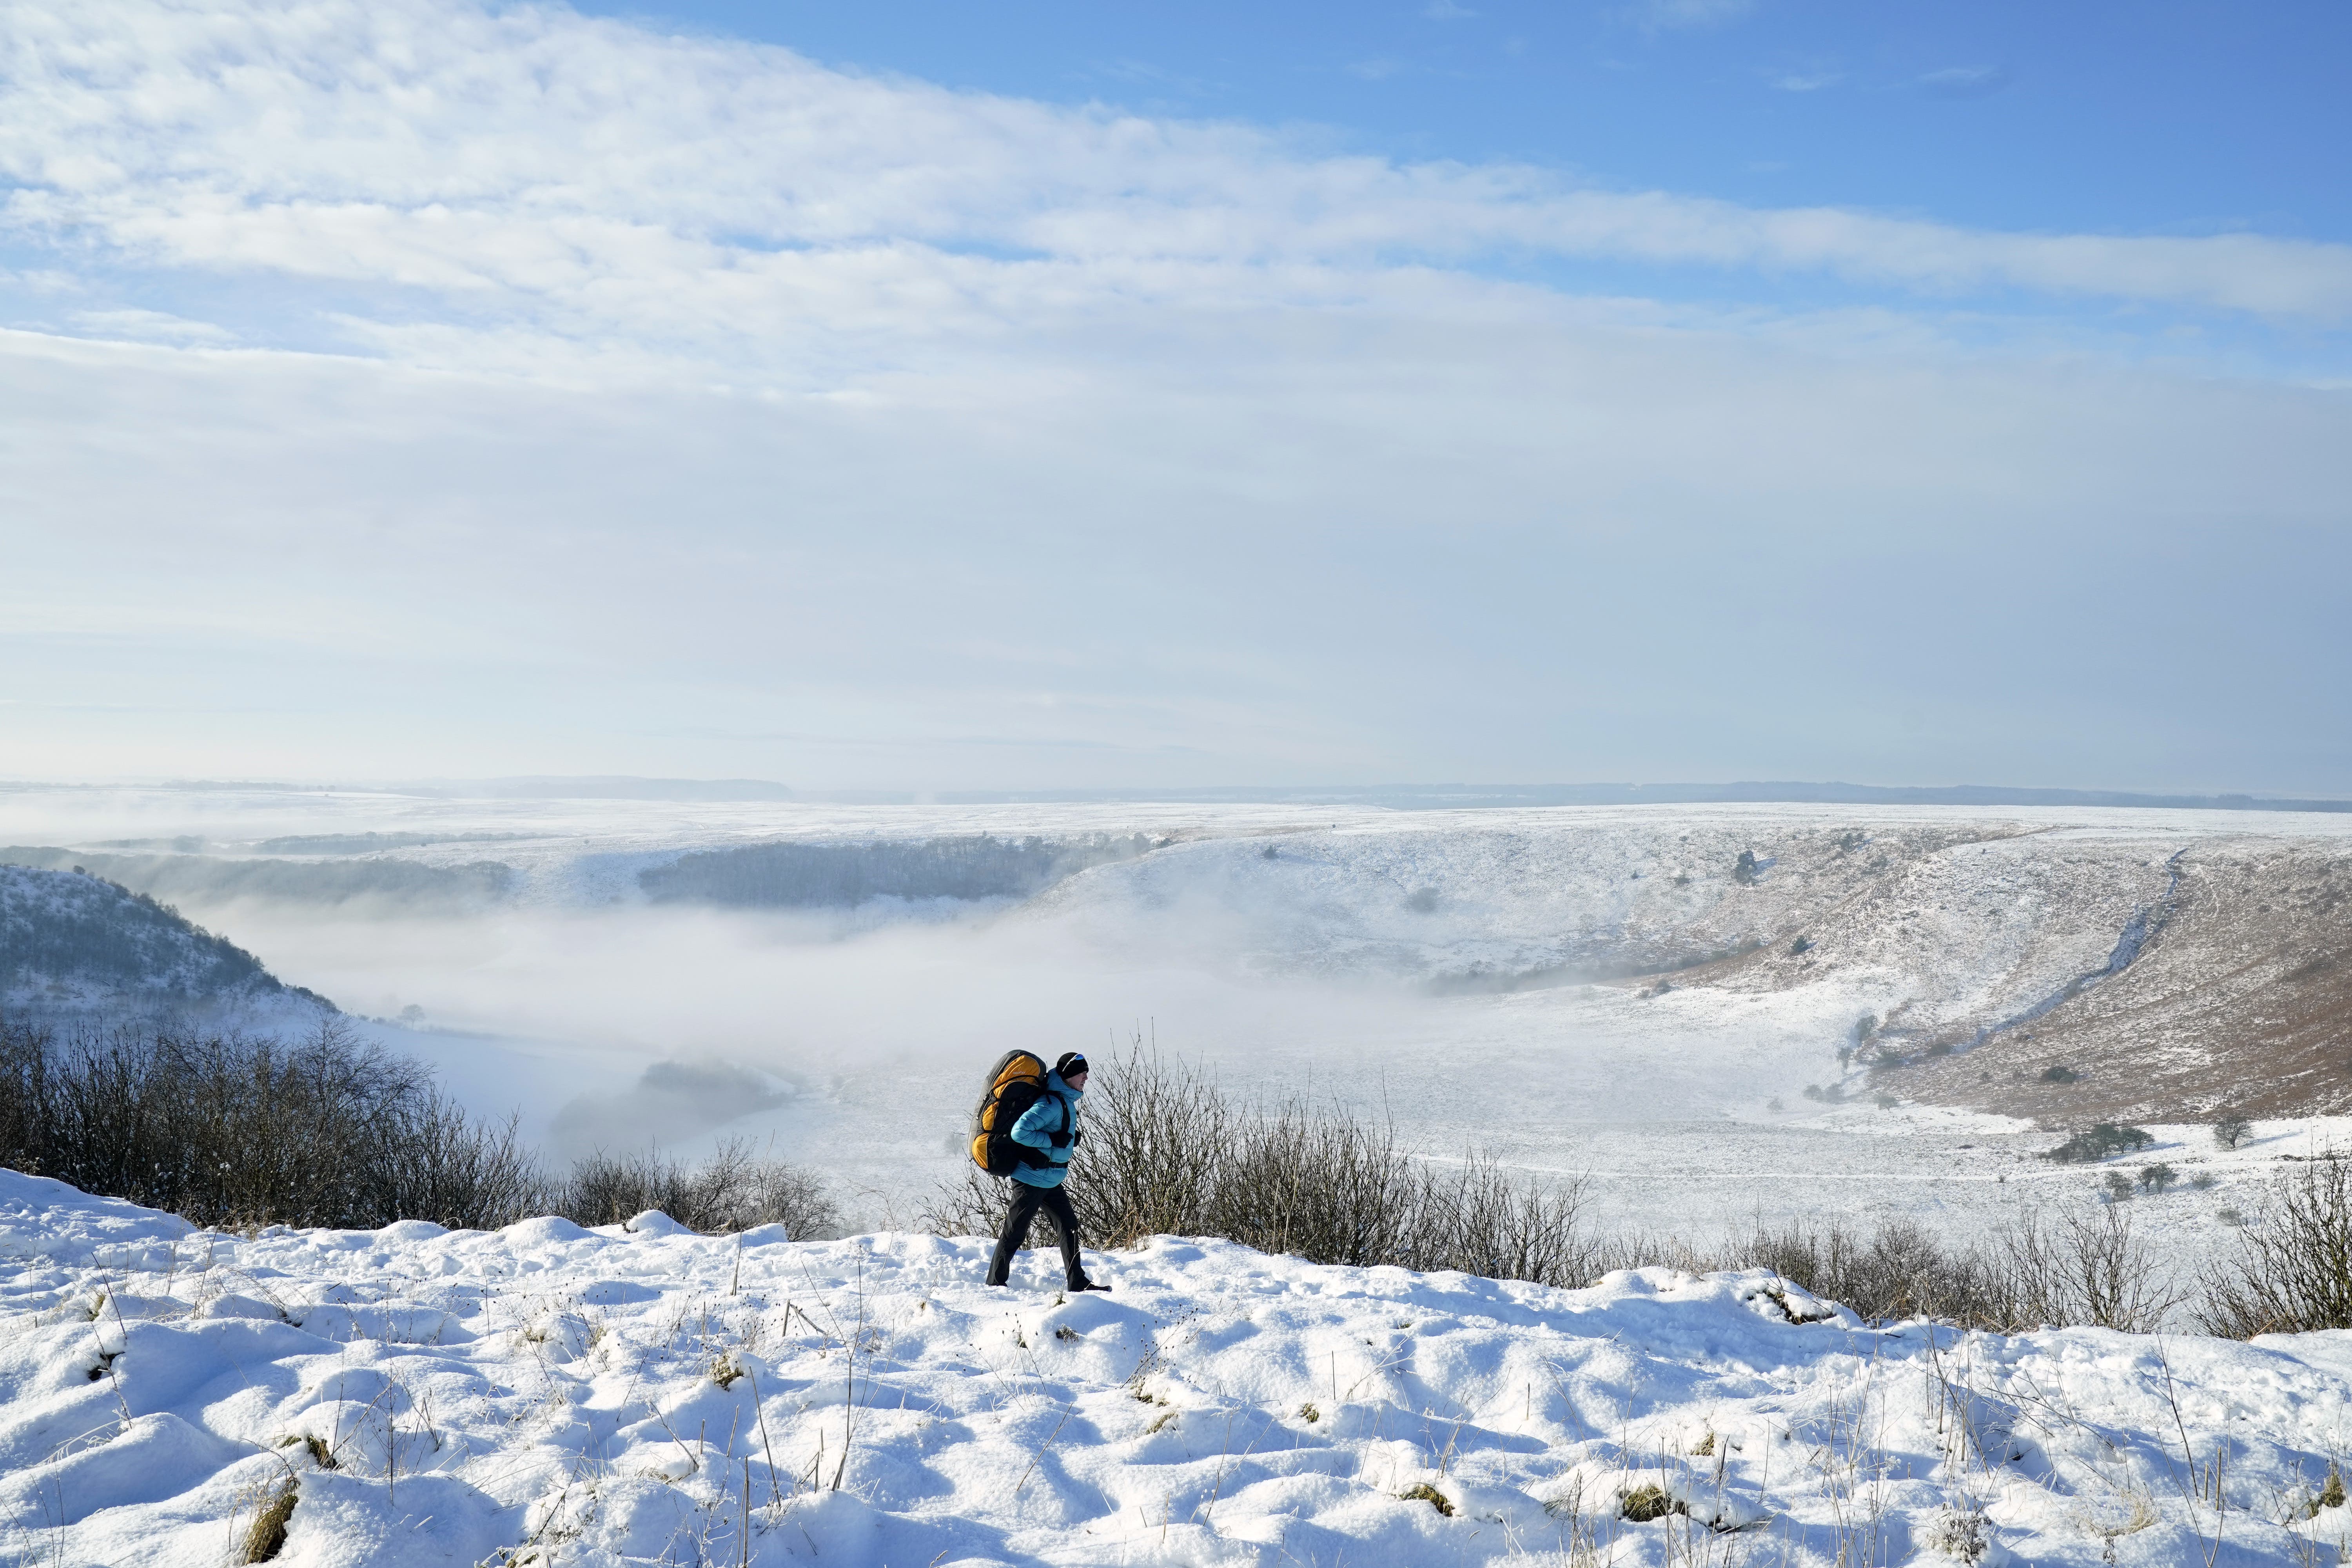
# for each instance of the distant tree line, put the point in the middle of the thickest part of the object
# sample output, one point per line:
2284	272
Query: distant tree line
841	876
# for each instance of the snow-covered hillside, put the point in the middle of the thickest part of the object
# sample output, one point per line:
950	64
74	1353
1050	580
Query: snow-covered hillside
546	1394
77	946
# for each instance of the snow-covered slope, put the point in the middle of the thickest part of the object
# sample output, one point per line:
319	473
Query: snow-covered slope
73	944
545	1394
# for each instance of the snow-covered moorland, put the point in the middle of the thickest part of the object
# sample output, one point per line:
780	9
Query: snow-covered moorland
549	1394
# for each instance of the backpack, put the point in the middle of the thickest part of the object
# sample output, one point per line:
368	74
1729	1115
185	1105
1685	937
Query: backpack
1016	1083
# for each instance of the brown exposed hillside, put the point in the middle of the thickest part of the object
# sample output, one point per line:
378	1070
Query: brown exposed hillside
2241	1000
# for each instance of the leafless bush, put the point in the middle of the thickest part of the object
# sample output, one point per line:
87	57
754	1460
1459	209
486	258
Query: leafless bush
2084	1267
733	1190
1899	1271
2294	1269
331	1129
1166	1152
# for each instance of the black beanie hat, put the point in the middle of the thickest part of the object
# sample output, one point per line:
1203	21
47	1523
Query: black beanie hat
1071	1065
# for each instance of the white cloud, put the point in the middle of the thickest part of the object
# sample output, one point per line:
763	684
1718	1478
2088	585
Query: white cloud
735	416
151	326
582	181
1807	82
1965	81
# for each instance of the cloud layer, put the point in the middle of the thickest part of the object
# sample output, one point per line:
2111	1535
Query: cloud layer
591	181
501	391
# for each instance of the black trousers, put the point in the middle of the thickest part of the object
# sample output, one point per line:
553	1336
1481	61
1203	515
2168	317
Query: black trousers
1026	1200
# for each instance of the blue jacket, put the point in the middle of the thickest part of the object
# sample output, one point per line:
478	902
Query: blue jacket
1057	1111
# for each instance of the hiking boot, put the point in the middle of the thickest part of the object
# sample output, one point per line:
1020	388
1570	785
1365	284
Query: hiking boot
1087	1285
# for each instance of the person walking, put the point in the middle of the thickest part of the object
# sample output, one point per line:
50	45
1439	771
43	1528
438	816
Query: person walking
1047	1132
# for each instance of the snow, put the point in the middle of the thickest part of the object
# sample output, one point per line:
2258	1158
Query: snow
551	1395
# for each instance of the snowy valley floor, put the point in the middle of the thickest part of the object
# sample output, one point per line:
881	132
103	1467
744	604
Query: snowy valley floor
547	1395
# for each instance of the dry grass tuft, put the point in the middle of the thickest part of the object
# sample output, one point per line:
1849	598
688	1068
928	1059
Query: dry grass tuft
1422	1491
267	1535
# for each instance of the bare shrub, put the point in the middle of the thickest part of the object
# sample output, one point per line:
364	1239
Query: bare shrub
331	1129
1900	1270
2231	1130
2293	1272
2086	1266
1166	1152
735	1189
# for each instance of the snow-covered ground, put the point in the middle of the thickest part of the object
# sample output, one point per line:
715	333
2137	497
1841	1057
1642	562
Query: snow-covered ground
549	1395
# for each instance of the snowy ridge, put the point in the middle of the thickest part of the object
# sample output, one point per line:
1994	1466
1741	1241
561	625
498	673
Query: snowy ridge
79	946
551	1395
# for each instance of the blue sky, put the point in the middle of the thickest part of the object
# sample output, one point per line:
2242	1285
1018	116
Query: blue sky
933	396
2162	117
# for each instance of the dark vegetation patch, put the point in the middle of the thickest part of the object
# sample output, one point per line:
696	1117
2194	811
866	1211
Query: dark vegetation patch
1422	1491
840	876
2101	1140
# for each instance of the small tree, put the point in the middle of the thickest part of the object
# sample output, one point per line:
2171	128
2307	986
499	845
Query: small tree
2061	1075
2230	1130
2155	1178
2118	1186
1743	870
2101	1142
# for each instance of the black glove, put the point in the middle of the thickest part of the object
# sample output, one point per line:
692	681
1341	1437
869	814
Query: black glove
1061	1139
1074	1139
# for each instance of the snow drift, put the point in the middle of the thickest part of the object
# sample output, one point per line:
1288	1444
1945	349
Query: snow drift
547	1393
